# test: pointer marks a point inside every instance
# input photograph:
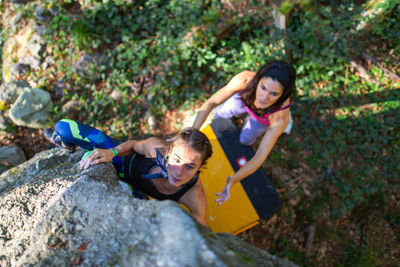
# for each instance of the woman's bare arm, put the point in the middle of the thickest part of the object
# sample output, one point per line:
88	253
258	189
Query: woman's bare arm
237	83
195	200
144	147
268	141
278	123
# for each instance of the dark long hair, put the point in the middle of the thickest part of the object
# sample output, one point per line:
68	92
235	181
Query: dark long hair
197	140
279	71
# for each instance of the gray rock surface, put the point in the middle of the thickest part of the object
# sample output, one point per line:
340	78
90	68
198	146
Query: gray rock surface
84	62
12	24
13	155
35	45
40	13
24	46
39	29
31	61
53	214
9	92
71	109
31	108
18	70
4	120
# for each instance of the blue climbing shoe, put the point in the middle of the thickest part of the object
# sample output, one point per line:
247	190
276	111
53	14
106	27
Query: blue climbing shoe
55	139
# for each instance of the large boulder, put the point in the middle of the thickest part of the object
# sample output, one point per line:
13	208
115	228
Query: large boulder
31	108
52	213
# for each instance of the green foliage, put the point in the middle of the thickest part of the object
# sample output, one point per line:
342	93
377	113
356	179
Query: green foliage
285	249
286	6
354	255
386	26
339	127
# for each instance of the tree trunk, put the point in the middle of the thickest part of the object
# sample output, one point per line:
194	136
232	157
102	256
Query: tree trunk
280	21
369	13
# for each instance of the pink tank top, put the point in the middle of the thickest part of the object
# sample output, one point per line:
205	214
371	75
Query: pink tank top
264	119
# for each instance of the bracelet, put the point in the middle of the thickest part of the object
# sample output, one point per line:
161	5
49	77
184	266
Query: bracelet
114	151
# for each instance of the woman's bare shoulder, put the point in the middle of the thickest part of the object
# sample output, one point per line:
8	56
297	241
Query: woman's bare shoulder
241	80
245	76
152	143
279	117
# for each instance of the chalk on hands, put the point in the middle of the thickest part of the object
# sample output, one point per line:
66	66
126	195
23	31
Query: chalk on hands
220	200
84	164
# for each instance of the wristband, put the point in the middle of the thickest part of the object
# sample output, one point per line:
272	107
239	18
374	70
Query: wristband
114	151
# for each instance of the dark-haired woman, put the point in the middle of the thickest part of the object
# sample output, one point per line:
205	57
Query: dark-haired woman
160	169
265	96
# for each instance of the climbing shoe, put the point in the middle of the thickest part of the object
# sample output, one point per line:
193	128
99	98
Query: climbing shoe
55	139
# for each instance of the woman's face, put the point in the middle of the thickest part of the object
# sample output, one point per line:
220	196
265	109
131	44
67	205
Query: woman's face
268	91
183	163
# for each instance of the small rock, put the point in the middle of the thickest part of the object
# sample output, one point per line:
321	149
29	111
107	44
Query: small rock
31	108
273	219
59	89
54	11
116	95
307	190
35	45
31	61
14	22
40	13
152	122
18	70
71	109
294	199
310	239
9	92
40	29
49	60
83	63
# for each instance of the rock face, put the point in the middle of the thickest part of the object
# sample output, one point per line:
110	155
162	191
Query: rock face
51	213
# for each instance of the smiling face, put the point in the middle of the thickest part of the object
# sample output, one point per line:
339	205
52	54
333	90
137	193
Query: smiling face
183	163
267	93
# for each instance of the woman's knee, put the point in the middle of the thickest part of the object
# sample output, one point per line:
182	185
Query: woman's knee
248	135
65	128
247	138
62	128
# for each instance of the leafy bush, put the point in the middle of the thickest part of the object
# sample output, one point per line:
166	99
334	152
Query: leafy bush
386	27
